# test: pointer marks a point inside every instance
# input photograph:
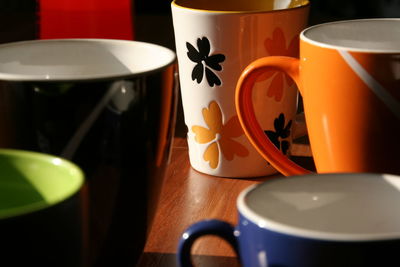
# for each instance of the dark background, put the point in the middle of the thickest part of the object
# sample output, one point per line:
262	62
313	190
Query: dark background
152	18
19	20
149	12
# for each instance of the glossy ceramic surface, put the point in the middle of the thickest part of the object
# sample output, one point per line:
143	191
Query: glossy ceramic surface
365	35
41	220
32	181
214	44
351	101
108	106
80	59
323	207
237	6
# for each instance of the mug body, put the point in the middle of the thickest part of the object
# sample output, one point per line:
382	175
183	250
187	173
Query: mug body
262	247
214	42
107	105
320	220
349	76
41	210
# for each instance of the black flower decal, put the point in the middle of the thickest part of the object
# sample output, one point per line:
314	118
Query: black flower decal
205	62
281	132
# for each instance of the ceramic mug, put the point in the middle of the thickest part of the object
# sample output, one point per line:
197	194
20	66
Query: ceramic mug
348	74
108	106
311	220
41	222
215	40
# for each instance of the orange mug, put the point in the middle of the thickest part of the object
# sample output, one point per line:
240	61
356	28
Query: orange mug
348	74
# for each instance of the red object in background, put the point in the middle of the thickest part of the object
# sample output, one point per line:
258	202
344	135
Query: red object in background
111	19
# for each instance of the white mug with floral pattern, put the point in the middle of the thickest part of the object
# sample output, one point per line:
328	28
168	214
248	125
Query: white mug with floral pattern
215	41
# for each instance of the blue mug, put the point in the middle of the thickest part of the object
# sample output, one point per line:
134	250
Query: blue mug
311	220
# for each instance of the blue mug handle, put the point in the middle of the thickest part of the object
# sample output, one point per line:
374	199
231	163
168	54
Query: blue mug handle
202	228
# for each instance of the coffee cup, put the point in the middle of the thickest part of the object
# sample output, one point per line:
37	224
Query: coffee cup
311	220
41	210
108	106
214	41
348	75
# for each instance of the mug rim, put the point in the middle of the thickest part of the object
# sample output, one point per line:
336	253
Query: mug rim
75	171
275	226
306	39
18	77
232	12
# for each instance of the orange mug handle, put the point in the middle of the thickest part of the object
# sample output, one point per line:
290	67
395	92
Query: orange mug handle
247	118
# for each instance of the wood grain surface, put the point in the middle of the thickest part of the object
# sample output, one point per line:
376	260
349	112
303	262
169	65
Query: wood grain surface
188	197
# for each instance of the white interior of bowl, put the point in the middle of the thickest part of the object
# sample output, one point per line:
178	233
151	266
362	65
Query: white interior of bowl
329	206
80	59
365	35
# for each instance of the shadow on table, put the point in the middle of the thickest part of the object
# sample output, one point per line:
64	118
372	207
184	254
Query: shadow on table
150	259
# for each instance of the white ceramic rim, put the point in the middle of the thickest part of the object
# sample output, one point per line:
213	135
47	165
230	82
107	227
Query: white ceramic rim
274	226
73	78
346	48
220	12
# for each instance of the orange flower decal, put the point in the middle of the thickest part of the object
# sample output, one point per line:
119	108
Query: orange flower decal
277	47
219	136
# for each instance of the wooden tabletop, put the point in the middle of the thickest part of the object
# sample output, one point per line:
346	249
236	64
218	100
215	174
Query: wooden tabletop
188	197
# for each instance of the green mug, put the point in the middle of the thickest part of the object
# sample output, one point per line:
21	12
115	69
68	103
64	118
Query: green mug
41	220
